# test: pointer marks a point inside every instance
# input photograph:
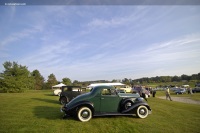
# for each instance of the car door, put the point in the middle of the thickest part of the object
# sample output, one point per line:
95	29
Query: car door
109	101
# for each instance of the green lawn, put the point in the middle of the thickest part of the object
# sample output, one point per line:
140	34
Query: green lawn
39	111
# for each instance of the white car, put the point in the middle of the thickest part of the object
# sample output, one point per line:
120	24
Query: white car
57	92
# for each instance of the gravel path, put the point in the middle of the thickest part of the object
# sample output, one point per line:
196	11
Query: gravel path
182	99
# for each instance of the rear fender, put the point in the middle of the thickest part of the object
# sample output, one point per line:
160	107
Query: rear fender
88	104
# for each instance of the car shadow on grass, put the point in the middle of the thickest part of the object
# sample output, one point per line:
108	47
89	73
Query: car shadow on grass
44	112
46	100
115	117
49	95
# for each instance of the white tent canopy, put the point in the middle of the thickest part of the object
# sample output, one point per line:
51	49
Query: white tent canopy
58	85
107	84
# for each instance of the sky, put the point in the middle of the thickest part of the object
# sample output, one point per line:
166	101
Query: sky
93	42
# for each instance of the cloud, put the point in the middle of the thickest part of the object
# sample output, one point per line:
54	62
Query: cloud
107	23
159	59
17	36
89	43
175	44
48	53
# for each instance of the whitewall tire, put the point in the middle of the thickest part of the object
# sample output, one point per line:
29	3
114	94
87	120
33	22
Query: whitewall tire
84	114
142	112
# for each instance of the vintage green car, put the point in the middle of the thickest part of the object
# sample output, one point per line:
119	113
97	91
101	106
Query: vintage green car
104	100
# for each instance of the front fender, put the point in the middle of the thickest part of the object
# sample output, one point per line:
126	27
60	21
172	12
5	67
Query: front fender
133	108
126	100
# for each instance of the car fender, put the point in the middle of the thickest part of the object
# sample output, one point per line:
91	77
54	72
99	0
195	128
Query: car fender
67	99
77	105
123	102
126	100
135	106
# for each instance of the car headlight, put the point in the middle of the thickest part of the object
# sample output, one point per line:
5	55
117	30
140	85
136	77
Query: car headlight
139	99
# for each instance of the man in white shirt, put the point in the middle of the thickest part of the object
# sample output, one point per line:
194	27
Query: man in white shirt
168	94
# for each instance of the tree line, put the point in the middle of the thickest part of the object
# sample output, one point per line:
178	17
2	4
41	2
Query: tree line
163	79
17	78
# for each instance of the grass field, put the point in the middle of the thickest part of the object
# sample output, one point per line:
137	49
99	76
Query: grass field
39	111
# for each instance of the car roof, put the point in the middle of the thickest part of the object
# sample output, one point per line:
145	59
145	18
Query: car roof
104	84
71	86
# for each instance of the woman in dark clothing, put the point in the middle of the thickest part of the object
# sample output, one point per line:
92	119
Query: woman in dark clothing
143	90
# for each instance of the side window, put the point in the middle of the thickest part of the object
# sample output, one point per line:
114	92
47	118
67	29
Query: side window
65	89
105	92
108	92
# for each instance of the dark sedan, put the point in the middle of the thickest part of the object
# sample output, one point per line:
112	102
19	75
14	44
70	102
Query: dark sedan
196	89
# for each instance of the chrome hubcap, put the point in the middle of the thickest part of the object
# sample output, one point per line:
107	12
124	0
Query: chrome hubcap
85	114
142	111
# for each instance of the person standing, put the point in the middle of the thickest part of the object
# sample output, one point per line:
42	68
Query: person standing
154	93
143	93
190	90
168	94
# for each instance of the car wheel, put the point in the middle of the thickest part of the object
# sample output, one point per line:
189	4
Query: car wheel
84	114
63	100
142	112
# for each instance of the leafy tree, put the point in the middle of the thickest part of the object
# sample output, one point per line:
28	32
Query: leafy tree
185	77
51	81
176	78
16	78
76	83
66	81
126	81
198	76
194	77
165	78
115	80
39	80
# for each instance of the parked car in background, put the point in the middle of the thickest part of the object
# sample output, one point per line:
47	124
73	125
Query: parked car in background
196	89
103	100
180	91
174	89
138	90
57	89
57	92
127	89
197	85
120	91
70	92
